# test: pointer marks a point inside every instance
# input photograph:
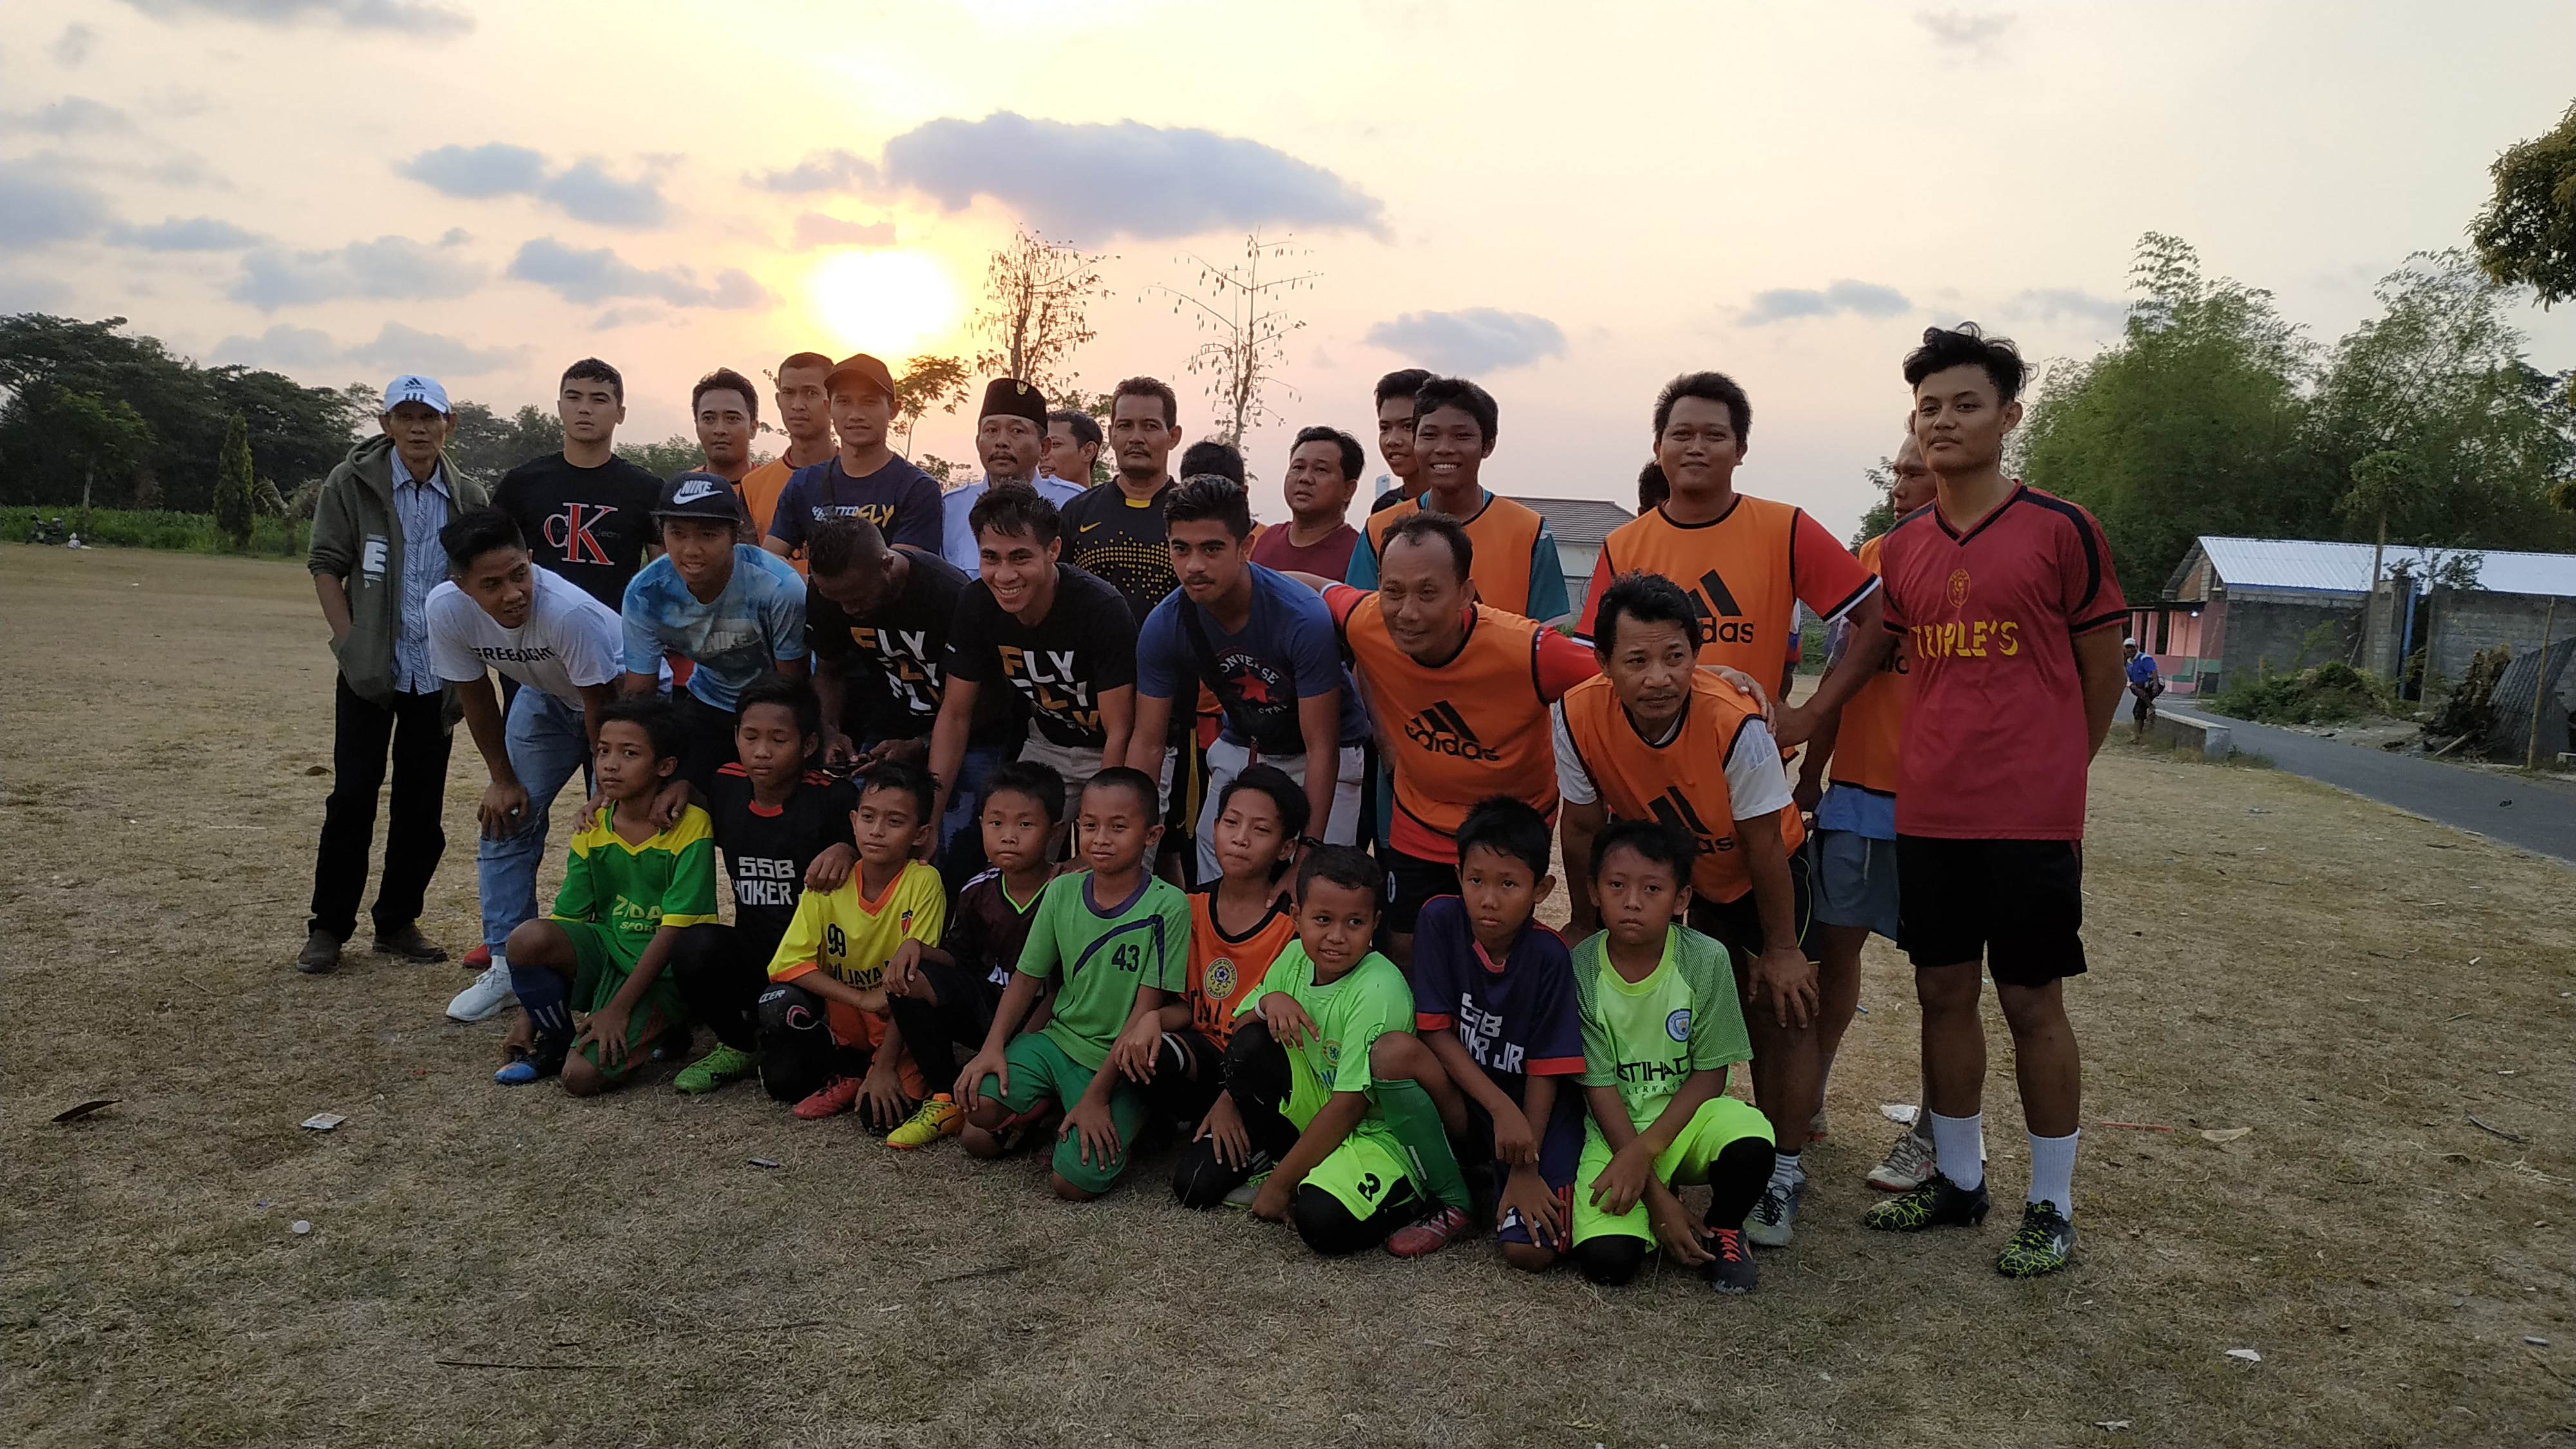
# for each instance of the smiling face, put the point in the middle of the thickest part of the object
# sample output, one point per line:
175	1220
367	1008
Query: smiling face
724	429
1638	896
1334	924
590	409
1649	663
1450	448
804	408
1139	437
1698	449
499	581
1317	489
1206	558
1422	598
860	414
1395	436
1958	421
1010	447
1115	829
1020	573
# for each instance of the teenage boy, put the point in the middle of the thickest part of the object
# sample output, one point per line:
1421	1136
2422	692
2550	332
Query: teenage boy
1060	638
1114	940
1265	647
1073	442
827	1039
731	610
1661	737
1493	997
563	647
1660	1029
726	409
1323	473
1517	570
1747	562
630	888
1011	439
944	996
1395	435
1115	531
2010	601
1239	923
585	512
375	560
783	828
864	479
805	415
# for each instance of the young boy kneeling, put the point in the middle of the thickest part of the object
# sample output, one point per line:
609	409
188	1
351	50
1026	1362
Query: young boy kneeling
1661	1025
629	890
1116	940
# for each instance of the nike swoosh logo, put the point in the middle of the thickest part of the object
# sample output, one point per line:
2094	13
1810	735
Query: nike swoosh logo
1086	528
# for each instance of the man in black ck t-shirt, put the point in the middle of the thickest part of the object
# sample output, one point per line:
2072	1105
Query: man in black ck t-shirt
586	513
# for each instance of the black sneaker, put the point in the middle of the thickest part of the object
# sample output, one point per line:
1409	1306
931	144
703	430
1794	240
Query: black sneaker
1732	1272
409	944
1938	1203
2042	1245
321	953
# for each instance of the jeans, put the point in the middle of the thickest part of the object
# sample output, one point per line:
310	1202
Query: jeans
414	731
960	852
547	744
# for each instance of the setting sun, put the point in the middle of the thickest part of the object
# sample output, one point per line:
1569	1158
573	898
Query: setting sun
884	302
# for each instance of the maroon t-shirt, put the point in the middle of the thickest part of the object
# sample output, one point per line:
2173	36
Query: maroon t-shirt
1996	746
1330	558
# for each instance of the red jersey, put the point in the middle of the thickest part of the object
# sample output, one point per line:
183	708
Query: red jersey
1996	746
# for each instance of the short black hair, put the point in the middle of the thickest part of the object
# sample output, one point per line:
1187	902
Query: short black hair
805	359
1203	496
1347	866
837	544
476	532
591	369
1506	826
792	695
1403	382
1967	345
725	379
1667	844
1652	487
1207	455
1648	599
1714	387
652	714
1086	428
1153	387
1415	527
1037	780
1353	459
1136	782
1457	392
910	778
1284	792
1015	508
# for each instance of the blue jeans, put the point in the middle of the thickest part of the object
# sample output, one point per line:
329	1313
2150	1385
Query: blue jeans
966	802
547	745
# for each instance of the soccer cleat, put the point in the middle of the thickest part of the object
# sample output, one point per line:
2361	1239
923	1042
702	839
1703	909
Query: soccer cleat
478	959
713	1070
321	953
1731	1271
2042	1244
1775	1217
1246	1190
410	945
485	997
1908	1165
672	1043
534	1064
1429	1235
1938	1203
838	1096
935	1118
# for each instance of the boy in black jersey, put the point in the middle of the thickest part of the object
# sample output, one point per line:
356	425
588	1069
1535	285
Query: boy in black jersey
782	827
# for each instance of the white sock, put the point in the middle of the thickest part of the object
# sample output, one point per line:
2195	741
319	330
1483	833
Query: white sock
2052	1172
1960	1143
1785	1171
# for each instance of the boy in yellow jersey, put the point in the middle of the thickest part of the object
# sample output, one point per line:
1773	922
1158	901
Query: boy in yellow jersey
629	890
827	1039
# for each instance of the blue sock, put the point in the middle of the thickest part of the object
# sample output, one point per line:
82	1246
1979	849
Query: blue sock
543	994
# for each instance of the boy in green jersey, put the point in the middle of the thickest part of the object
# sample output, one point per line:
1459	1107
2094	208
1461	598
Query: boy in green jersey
1116	941
1661	1025
629	890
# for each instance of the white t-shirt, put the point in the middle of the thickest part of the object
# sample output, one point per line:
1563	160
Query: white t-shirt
1756	782
570	641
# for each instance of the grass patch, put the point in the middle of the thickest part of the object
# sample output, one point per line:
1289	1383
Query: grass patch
2330	693
160	528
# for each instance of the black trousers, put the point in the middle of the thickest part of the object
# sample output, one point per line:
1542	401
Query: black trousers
942	1034
720	972
414	733
1256	1075
798	1055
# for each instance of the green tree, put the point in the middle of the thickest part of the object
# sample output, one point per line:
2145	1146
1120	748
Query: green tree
106	436
486	445
674	454
927	380
1882	514
234	501
2526	236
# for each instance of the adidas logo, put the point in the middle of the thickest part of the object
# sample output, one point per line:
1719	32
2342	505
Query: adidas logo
1719	612
1443	731
1673	809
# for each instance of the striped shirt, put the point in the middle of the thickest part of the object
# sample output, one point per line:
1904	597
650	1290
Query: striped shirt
420	511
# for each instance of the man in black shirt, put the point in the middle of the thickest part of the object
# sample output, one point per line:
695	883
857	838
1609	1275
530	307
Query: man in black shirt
1115	531
586	513
864	479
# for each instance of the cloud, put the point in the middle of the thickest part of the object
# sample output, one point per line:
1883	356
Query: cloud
38	208
185	234
1479	339
1866	299
1089	180
1961	30
583	191
417	16
814	229
2051	303
598	276
74	45
279	346
70	116
390	268
821	171
616	317
395	348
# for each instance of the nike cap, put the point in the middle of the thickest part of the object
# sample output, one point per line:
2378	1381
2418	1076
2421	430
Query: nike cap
698	494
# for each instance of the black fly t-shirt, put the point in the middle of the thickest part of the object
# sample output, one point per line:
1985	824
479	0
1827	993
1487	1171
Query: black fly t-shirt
1121	540
894	664
1085	645
767	850
590	525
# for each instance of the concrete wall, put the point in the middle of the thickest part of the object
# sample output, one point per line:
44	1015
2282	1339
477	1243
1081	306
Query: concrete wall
2271	630
2468	620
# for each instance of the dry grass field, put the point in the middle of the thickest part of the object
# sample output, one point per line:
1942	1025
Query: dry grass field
490	1266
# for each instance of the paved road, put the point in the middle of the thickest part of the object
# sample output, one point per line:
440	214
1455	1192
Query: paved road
2542	817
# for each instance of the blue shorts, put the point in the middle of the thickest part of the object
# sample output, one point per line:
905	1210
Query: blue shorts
1854	880
1560	1147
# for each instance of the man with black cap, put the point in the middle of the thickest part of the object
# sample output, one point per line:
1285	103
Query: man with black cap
1010	436
728	608
865	479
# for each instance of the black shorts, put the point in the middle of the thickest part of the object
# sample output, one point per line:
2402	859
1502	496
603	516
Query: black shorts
1410	881
1737	924
708	744
2018	903
2142	706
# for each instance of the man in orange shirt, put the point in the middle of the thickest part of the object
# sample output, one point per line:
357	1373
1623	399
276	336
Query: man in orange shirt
805	414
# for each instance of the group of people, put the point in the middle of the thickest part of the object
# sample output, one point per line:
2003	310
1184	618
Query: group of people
1077	813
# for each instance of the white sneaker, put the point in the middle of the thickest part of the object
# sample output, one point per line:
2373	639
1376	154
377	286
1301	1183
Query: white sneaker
1908	1165
486	998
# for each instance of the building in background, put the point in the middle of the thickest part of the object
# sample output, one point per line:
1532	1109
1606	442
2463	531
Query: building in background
1580	525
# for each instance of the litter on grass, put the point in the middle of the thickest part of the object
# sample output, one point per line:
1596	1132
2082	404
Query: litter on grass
2224	1134
75	1113
322	1121
2116	1426
299	1227
1900	1113
2247	1354
762	1162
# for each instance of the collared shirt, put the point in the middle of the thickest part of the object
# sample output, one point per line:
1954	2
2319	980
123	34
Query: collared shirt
420	511
957	538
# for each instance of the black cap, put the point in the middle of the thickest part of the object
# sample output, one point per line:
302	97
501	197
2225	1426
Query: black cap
699	494
1008	397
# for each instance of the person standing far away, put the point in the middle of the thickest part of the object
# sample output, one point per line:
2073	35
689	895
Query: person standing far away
2140	669
726	409
1323	473
1073	443
805	415
2012	606
1011	440
586	513
1395	434
1115	531
864	479
1517	570
375	558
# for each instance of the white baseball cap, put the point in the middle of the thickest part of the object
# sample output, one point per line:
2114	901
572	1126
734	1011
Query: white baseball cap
413	388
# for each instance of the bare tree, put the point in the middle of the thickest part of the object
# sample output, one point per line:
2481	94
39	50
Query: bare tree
1036	294
1248	313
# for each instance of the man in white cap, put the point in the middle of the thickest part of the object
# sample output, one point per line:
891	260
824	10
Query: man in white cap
375	558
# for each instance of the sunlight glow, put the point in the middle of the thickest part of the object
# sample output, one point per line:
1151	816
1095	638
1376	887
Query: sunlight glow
888	303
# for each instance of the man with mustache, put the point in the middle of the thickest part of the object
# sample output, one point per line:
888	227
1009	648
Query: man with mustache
1011	439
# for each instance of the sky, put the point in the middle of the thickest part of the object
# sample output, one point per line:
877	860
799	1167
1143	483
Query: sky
1569	205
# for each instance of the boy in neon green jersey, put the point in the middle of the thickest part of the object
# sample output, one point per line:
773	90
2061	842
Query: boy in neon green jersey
1660	1027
